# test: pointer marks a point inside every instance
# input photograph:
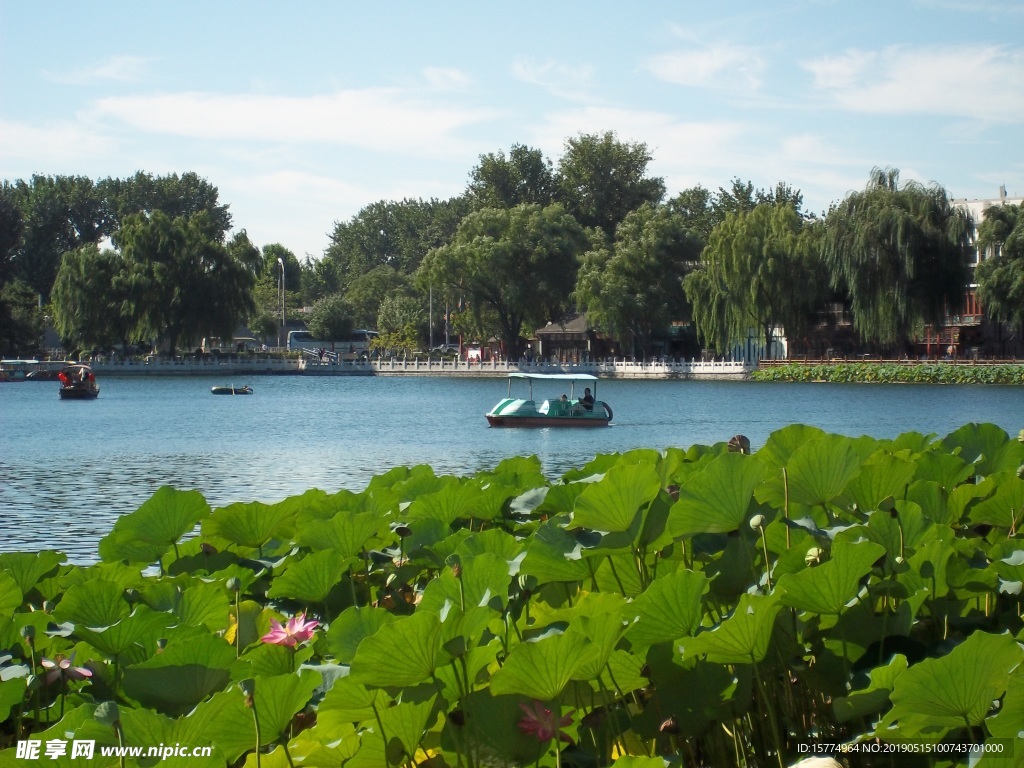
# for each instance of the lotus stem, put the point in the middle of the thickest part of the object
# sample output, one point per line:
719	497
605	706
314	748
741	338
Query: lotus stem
772	720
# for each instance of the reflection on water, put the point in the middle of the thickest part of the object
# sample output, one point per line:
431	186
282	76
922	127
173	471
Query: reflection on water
69	469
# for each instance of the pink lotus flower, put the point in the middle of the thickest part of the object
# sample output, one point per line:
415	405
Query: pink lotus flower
541	722
63	668
294	632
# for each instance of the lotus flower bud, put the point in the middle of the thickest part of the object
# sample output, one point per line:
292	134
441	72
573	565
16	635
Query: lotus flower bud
234	584
403	530
47	606
248	689
757	522
131	595
813	556
108	714
29	633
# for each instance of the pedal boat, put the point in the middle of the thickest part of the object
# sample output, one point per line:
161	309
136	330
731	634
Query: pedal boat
571	412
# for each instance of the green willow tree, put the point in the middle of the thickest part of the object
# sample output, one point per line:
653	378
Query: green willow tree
183	281
633	287
900	253
521	262
760	270
91	300
1000	275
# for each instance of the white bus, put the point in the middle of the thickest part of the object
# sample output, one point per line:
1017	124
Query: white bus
355	346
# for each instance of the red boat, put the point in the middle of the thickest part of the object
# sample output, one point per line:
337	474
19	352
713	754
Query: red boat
78	382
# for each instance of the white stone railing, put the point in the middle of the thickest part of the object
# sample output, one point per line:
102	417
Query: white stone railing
656	369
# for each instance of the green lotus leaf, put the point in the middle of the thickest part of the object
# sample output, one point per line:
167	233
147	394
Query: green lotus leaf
251	524
406	722
957	689
696	693
144	728
95	603
717	499
928	569
987	447
146	534
947	469
491	721
521	471
204	605
595	468
10	595
484	582
553	554
270	660
455	500
742	638
783	443
346	533
143	628
961	497
27	568
353	626
1008	723
632	761
670	608
491	499
349	702
613	504
494	541
1005	507
541	668
828	587
174	681
226	721
311	579
900	531
820	470
599	616
875	697
883	477
420	481
12	692
401	653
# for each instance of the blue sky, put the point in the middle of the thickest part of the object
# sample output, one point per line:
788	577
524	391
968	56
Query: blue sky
301	113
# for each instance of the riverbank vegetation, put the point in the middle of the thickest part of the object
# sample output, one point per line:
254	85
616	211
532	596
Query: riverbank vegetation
528	242
697	607
867	372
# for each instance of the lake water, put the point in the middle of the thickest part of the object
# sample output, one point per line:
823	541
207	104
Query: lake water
68	469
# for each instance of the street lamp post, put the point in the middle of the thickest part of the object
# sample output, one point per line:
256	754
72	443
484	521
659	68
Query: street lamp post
282	337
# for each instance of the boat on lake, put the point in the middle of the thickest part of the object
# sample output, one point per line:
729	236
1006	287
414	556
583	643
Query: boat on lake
78	382
568	410
246	390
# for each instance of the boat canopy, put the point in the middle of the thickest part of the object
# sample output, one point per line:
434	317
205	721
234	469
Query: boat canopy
554	376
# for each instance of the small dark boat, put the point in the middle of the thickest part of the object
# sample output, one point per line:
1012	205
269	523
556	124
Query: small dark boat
78	382
246	390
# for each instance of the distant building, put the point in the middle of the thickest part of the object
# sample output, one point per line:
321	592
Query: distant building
971	333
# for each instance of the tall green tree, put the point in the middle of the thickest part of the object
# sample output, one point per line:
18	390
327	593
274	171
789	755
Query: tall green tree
331	318
760	270
391	234
521	262
177	196
634	285
367	292
59	214
900	253
1000	275
694	205
524	176
601	179
184	282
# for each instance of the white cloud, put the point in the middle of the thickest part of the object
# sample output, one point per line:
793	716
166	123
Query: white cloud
979	82
715	66
118	68
63	144
443	79
386	120
560	79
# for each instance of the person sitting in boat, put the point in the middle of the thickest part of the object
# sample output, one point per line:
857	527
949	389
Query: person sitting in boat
587	401
565	398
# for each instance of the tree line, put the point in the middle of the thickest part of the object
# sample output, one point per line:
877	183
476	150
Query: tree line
120	261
